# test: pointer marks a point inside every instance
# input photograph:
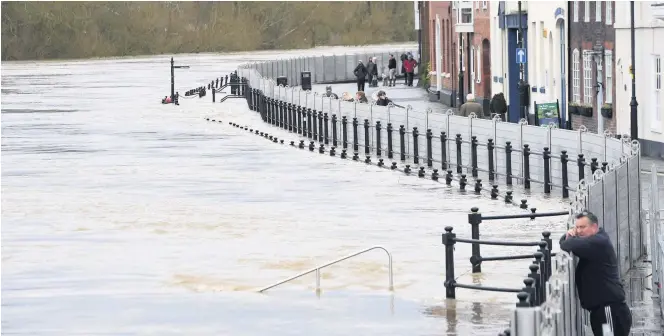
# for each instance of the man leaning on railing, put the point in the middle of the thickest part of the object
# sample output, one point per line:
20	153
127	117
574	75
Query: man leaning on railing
597	277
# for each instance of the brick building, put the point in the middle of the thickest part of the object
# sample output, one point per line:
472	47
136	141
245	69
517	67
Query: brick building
591	67
448	48
473	22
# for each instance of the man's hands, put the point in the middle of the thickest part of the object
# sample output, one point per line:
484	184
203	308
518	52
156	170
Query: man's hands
571	232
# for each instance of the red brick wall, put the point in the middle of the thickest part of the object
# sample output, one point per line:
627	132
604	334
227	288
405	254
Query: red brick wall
482	28
443	9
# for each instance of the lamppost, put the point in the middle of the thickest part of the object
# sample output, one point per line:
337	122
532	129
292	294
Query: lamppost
523	85
598	56
634	126
173	67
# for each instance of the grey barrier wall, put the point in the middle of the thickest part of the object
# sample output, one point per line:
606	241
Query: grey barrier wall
656	251
611	190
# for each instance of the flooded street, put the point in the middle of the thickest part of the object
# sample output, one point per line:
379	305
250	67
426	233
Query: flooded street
124	216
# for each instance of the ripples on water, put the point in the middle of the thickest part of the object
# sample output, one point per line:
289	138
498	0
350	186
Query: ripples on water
124	216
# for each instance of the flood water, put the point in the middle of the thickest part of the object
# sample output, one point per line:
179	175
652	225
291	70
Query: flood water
123	216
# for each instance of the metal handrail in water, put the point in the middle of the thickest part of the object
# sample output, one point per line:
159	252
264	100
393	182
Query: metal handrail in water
317	269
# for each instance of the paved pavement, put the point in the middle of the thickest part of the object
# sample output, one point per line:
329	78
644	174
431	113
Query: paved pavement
647	318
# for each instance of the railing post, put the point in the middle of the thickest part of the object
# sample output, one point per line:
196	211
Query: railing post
547	256
309	124
378	149
490	147
282	114
563	161
402	137
508	163
474	219
314	124
458	152
304	128
526	166
547	170
536	300
355	136
473	155
334	130
530	290
320	126
367	141
327	129
299	120
581	163
443	150
449	239
429	148
416	147
539	262
292	116
390	151
344	131
213	95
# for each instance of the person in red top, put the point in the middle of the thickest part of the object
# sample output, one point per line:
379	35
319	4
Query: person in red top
410	65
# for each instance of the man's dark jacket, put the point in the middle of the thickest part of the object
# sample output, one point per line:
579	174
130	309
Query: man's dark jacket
597	276
360	71
392	64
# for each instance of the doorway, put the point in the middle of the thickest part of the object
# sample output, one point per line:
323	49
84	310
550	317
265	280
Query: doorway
486	68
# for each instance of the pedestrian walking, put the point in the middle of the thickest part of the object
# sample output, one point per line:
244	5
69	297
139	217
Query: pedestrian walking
361	75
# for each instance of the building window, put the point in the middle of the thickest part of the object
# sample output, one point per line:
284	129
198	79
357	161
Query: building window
478	59
657	92
467	15
576	11
472	63
598	11
609	12
608	83
576	76
587	78
586	11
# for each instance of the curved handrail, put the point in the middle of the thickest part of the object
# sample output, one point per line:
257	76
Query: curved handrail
318	268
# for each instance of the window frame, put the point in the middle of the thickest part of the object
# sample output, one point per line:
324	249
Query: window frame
609	12
576	76
608	76
598	11
576	11
587	78
657	84
586	12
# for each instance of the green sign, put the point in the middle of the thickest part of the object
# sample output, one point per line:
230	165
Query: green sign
548	113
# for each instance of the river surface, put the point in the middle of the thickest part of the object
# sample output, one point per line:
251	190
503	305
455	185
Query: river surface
123	216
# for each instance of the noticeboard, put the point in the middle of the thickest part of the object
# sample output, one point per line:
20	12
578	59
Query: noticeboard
548	113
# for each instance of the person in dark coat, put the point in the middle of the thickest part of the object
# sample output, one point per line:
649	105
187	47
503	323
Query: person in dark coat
404	57
392	69
372	70
361	74
498	105
597	277
382	99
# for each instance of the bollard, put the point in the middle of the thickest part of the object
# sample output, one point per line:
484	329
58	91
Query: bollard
334	130
473	155
314	127
531	290
332	151
547	170
275	140
429	136
563	165
421	172
533	211
581	163
390	152
478	186
402	138
458	150
524	204
355	157
416	147
434	176
463	182
604	166
508	163
474	219
292	143
526	166
547	255
344	133
367	160
407	169
494	191
380	163
320	127
321	149
443	150
367	141
378	154
309	124
534	275
448	177
449	239
490	147
508	196
343	154
312	146
594	165
394	166
326	136
292	110
523	300
355	136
